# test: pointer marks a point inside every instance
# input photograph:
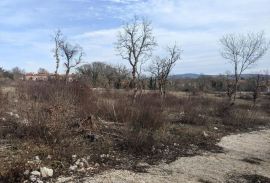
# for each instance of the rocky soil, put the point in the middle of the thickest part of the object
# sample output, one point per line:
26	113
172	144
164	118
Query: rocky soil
244	154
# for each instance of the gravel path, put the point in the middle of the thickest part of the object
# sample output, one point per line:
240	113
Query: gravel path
247	153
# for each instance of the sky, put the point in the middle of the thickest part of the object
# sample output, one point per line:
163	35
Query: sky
27	26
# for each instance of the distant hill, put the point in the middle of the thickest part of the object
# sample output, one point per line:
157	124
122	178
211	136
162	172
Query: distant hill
195	76
185	76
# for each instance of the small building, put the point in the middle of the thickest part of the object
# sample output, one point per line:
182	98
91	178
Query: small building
47	76
36	77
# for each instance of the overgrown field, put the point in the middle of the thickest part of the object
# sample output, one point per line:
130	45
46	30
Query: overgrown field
55	124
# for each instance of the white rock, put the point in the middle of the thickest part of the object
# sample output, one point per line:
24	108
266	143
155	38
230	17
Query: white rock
26	172
73	168
77	162
33	178
82	170
16	116
97	165
215	128
64	179
74	156
49	157
84	161
37	158
46	172
142	165
35	173
205	134
39	181
81	165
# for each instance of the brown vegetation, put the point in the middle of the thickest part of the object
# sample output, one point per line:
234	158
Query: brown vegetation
62	119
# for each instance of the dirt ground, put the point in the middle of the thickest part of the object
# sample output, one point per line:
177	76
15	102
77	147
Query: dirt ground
247	153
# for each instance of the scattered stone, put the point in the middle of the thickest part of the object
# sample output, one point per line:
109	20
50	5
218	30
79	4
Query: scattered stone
39	181
77	162
49	157
35	173
26	172
215	128
33	178
73	168
74	157
142	165
102	155
97	165
85	162
64	179
81	165
205	134
46	172
90	168
82	170
37	158
16	116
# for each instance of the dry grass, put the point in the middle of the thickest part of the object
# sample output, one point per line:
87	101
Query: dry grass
57	119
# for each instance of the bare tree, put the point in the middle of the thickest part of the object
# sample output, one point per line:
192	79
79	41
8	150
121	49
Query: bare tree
161	67
135	44
17	73
42	71
58	41
73	56
257	87
243	51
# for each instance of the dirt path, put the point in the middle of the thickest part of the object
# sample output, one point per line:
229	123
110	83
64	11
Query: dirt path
247	153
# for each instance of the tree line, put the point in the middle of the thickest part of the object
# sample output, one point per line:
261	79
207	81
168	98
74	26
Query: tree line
135	44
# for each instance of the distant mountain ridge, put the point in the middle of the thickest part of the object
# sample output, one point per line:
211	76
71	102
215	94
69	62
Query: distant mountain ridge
185	76
195	76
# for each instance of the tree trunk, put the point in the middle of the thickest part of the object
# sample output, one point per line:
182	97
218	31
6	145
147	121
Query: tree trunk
67	74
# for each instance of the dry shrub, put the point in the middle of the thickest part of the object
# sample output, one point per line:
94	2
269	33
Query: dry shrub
3	102
145	123
48	110
242	118
14	173
195	110
265	105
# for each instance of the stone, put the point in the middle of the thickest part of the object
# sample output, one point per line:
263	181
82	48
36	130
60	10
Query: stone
74	157
82	170
73	168
46	172
215	128
77	162
86	164
64	179
102	156
26	172
39	181
35	173
33	178
205	134
97	165
81	165
142	165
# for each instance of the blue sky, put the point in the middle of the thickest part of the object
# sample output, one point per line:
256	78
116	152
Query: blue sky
26	27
